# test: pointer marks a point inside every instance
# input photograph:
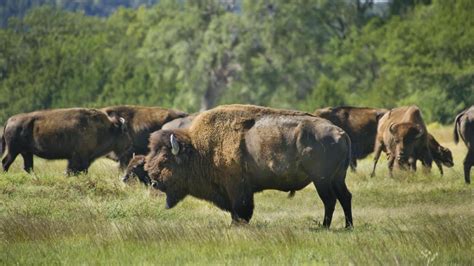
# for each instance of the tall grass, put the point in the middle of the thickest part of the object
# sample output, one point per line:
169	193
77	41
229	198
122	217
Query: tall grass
47	218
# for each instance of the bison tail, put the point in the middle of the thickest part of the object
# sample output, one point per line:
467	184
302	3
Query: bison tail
349	153
2	144
456	127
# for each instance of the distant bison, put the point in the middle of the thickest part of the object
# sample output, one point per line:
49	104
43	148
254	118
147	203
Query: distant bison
79	135
141	121
403	136
464	127
231	152
360	123
136	167
441	155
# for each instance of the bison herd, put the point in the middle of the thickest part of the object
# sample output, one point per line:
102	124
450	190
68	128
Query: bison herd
226	154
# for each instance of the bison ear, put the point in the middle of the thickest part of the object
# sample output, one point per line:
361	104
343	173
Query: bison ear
392	128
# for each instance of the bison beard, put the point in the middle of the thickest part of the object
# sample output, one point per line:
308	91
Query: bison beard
231	152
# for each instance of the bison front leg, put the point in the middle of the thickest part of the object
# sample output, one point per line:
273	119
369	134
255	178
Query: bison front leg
76	166
391	162
242	203
378	151
468	163
27	161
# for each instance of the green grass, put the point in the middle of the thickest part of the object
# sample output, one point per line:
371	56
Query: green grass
47	218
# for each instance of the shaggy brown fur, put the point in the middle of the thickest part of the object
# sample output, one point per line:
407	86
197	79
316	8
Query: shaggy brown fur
464	127
360	123
141	121
403	136
79	135
233	151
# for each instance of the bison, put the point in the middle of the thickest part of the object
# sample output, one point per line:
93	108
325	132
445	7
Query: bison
360	123
464	127
79	135
136	167
402	134
231	152
441	155
141	121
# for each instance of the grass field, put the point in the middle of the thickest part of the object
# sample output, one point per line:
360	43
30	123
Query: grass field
421	219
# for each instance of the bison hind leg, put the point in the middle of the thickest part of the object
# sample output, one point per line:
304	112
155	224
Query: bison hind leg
344	197
9	159
328	196
468	163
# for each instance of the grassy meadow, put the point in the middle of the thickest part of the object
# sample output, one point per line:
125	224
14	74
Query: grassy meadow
421	219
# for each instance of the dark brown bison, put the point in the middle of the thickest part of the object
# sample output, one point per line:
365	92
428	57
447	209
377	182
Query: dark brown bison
403	136
360	123
141	122
79	135
231	152
136	167
464	127
441	155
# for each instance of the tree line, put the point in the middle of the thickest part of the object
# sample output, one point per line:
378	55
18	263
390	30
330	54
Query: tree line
193	55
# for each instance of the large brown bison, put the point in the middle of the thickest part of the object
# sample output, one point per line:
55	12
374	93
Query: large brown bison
78	135
464	127
141	122
231	152
360	123
403	136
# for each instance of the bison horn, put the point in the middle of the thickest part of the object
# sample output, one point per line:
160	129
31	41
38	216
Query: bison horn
174	145
122	120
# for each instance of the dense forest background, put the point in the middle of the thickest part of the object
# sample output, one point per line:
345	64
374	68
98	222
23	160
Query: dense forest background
192	55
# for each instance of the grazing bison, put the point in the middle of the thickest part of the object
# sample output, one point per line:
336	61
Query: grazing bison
141	121
464	127
231	152
360	123
441	155
136	167
403	136
79	135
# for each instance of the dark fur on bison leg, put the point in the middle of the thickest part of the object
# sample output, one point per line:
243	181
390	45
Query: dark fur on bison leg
345	199
353	165
391	162
440	167
468	163
8	160
76	167
327	195
27	161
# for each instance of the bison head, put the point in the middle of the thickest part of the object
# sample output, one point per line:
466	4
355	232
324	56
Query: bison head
404	139
166	164
136	167
445	156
